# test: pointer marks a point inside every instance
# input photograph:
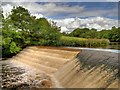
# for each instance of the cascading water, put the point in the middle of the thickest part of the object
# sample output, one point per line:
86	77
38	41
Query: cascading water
90	69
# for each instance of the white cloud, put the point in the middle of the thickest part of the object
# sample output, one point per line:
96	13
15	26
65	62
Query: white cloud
37	15
68	24
98	23
7	9
51	9
64	22
113	0
64	29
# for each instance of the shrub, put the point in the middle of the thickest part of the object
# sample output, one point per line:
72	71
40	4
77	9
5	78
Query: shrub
74	41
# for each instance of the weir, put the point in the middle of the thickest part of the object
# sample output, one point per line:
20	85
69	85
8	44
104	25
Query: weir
90	69
73	69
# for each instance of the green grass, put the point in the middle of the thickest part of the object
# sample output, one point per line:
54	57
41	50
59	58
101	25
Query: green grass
75	41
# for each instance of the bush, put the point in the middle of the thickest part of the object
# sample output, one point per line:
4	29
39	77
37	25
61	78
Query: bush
74	41
104	42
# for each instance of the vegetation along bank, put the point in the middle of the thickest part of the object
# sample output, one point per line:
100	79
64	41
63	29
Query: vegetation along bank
20	29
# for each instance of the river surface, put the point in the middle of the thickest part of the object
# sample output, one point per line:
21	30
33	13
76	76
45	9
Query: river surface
113	47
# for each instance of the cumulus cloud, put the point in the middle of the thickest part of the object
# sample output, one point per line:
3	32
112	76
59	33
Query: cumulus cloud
37	15
48	9
54	10
67	24
99	23
64	29
51	9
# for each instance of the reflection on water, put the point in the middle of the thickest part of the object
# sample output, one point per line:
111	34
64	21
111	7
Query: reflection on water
112	45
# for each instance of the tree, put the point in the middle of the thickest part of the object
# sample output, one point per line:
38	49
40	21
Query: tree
115	34
79	32
20	17
20	30
11	42
16	31
49	32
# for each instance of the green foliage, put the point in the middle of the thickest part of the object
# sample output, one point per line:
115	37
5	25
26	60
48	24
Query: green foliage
79	32
20	30
10	41
14	48
104	42
44	42
21	18
74	41
65	34
112	35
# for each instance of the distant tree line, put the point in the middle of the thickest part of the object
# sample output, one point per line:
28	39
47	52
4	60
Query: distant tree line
113	34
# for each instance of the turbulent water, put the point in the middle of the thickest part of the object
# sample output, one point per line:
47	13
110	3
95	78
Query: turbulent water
20	78
30	68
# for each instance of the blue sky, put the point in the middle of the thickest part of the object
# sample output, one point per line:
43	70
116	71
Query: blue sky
103	9
99	15
62	10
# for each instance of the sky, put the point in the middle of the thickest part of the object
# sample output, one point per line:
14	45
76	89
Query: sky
73	12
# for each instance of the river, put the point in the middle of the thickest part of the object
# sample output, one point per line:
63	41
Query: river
112	47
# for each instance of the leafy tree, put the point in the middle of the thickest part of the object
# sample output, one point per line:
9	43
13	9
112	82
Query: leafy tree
115	34
79	32
93	33
112	34
65	34
10	42
49	32
20	30
21	18
15	31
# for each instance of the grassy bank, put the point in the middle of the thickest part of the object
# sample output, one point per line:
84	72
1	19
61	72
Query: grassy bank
75	41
